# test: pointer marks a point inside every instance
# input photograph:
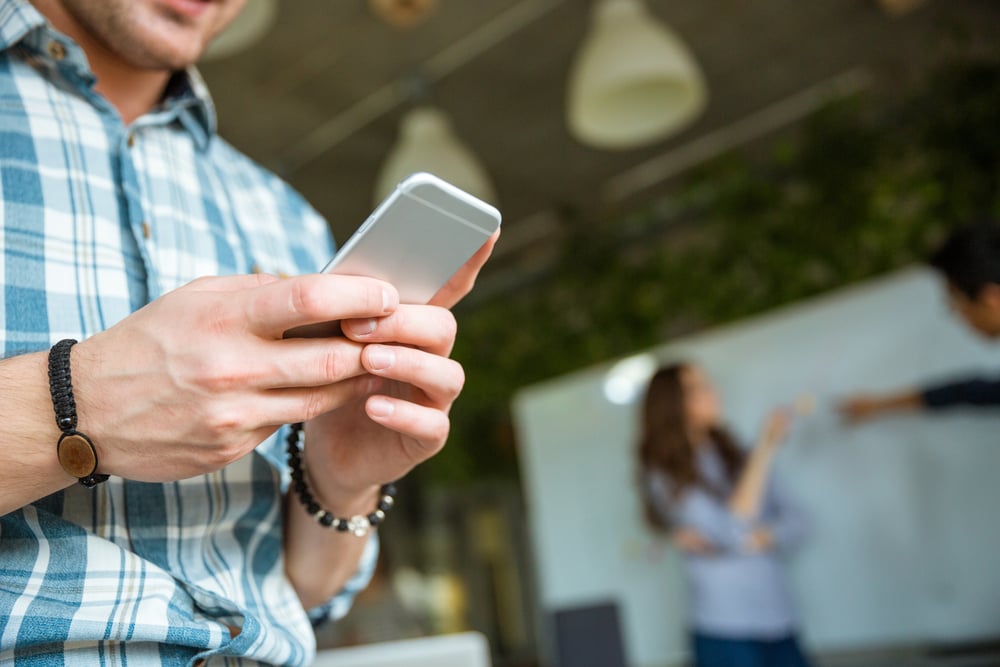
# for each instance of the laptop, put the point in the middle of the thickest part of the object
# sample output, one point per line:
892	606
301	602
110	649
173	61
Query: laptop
465	649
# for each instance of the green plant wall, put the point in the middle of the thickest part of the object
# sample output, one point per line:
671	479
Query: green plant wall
862	188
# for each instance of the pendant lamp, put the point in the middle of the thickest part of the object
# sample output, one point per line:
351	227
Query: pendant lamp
634	81
403	14
249	26
427	143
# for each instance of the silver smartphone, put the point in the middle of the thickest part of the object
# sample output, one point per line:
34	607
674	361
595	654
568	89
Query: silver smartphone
418	237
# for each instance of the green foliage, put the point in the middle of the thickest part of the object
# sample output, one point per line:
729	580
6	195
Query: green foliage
863	187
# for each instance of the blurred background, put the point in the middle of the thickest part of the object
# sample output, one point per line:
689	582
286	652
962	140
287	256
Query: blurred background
667	170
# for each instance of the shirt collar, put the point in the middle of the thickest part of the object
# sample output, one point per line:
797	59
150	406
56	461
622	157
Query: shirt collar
186	99
18	19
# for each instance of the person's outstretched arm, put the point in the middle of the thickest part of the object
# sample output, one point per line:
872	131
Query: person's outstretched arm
863	407
748	495
975	392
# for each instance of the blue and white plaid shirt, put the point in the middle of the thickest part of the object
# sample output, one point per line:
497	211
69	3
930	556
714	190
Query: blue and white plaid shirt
99	219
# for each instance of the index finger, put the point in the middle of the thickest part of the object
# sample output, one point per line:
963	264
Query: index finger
274	308
462	282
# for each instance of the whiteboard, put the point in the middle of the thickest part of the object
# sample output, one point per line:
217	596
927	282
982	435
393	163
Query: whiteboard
905	512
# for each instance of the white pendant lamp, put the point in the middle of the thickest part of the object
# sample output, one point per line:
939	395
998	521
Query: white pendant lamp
634	81
249	26
427	143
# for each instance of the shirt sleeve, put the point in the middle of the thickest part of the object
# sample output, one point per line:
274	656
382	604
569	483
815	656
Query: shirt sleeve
699	510
977	391
337	607
784	517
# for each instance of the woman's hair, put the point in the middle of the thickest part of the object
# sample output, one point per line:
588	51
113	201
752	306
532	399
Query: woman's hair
665	444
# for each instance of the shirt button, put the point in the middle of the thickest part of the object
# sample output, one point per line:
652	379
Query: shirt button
131	139
57	50
147	231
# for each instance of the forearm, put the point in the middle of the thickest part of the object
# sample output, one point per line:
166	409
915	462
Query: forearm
747	498
862	407
319	560
28	434
903	401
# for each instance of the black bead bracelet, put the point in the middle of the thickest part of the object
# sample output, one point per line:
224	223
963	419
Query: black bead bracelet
359	524
75	450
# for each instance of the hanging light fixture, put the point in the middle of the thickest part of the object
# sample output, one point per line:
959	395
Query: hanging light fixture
633	82
249	26
403	14
427	143
897	8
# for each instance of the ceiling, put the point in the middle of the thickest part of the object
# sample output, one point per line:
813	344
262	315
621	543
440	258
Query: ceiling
319	100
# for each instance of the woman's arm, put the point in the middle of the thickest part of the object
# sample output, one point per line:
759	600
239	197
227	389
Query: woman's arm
700	522
748	496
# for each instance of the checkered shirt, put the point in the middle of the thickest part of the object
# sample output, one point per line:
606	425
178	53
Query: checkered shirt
99	218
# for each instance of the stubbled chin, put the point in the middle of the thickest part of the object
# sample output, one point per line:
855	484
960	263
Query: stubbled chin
174	54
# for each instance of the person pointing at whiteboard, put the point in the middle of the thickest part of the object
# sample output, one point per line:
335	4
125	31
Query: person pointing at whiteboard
969	260
729	518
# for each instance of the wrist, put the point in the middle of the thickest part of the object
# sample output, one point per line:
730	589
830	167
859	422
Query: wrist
75	450
342	502
28	455
359	523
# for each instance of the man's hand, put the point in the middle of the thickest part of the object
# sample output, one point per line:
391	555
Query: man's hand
200	376
400	420
410	387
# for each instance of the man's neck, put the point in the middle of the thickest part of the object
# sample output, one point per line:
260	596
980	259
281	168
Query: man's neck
133	91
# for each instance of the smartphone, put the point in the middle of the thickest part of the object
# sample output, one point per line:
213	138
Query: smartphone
418	237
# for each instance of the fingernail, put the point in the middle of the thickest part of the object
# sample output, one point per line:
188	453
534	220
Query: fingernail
387	301
380	358
362	327
380	407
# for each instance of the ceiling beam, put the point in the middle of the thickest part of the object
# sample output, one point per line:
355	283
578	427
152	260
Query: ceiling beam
387	97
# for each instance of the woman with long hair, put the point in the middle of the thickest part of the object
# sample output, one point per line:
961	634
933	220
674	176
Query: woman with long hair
728	518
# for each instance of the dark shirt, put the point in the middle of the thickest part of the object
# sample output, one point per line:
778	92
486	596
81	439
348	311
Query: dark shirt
978	391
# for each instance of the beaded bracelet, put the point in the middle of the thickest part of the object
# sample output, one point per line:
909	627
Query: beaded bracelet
359	524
